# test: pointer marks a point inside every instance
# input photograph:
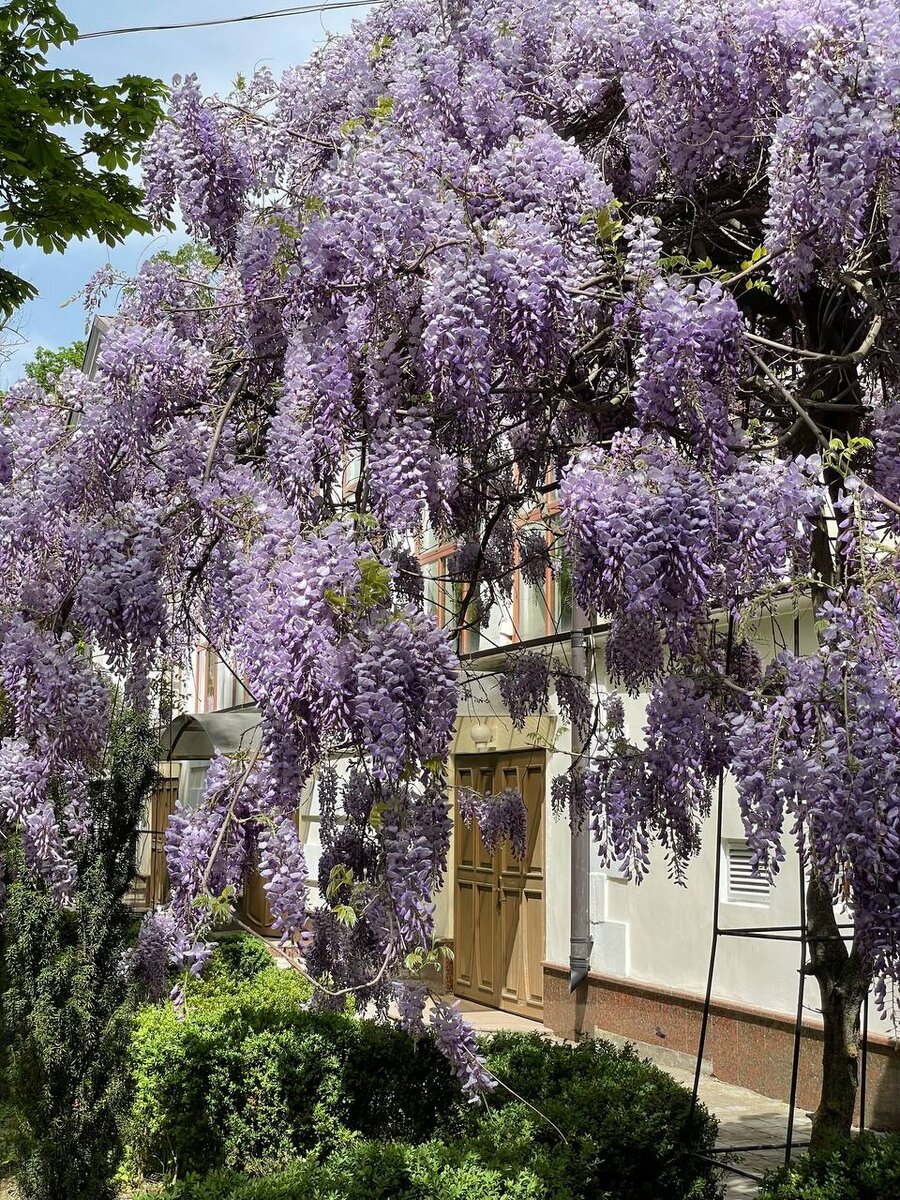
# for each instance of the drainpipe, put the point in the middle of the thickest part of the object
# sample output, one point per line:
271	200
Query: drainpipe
580	940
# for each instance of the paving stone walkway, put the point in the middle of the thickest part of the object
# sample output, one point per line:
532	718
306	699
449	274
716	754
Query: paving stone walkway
746	1119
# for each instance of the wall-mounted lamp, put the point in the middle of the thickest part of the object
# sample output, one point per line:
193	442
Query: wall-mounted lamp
482	735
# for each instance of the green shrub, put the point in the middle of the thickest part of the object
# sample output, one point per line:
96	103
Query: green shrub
367	1170
250	1079
238	957
624	1120
506	1159
867	1168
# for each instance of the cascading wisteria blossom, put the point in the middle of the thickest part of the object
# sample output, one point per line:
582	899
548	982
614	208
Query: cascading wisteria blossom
631	270
501	818
659	543
457	1041
573	698
525	686
663	789
821	748
153	953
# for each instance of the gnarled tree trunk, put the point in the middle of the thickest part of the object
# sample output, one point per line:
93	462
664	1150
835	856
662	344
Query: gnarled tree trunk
843	985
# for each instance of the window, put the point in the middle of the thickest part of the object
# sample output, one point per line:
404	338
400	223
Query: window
562	589
239	693
545	608
206	678
532	611
428	540
470	638
193	780
743	884
352	468
443	597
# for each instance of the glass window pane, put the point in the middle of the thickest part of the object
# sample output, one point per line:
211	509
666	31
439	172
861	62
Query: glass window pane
351	471
562	593
430	573
532	611
196	783
429	539
471	637
212	670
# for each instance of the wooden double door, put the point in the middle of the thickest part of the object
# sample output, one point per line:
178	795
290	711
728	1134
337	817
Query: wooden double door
499	902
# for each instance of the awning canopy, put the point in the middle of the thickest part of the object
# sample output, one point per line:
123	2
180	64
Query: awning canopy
200	735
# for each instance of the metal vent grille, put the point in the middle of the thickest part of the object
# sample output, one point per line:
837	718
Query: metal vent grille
743	883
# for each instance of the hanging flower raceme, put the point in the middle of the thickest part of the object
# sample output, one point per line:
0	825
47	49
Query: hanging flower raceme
573	698
282	866
659	543
403	693
688	364
525	686
457	1041
660	791
641	523
634	653
502	819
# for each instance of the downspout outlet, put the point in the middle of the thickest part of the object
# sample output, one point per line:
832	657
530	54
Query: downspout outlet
579	961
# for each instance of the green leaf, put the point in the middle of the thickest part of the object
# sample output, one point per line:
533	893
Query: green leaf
375	583
376	816
56	187
346	914
383	43
347	127
338	877
336	601
382	108
608	227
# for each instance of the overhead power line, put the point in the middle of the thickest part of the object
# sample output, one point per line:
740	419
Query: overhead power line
294	11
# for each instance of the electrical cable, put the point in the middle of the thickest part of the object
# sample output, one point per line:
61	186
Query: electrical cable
293	11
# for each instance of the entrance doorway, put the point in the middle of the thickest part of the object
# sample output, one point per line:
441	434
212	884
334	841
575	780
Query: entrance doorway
498	931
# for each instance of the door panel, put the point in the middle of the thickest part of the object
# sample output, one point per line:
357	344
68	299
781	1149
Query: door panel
533	925
475	937
499	909
255	904
464	942
486	944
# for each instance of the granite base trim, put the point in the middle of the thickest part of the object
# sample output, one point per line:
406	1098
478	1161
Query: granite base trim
749	1047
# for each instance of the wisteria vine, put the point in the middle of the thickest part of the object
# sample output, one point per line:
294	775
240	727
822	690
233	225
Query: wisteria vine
632	268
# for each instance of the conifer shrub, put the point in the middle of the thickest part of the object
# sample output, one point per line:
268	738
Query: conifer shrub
68	1000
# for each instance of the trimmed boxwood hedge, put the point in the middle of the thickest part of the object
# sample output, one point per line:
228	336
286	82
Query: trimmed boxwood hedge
866	1168
249	1078
252	1095
368	1170
624	1119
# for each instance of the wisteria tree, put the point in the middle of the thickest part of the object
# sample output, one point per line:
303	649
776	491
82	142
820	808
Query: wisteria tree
646	253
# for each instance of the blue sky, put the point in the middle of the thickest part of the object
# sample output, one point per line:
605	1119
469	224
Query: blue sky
216	55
